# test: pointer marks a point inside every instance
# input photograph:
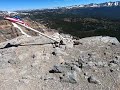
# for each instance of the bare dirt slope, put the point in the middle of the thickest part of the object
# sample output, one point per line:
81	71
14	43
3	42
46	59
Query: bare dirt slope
8	31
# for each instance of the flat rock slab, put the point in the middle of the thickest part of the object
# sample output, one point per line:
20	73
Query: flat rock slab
93	65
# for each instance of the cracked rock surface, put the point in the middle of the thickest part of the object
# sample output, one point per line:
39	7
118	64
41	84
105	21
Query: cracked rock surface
37	64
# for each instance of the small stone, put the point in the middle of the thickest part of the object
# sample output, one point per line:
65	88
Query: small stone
111	70
33	56
76	42
116	58
113	43
61	42
104	53
86	73
112	65
89	54
31	65
114	61
72	77
54	53
93	80
11	62
56	69
80	64
78	69
61	78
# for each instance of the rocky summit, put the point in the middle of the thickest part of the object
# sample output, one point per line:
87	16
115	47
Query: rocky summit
38	63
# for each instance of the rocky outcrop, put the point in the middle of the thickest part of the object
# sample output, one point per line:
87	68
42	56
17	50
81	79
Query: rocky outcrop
7	31
36	63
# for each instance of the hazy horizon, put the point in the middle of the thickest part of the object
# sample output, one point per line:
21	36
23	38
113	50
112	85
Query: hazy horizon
12	5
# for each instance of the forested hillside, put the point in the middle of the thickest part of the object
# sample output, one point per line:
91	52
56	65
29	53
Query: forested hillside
81	22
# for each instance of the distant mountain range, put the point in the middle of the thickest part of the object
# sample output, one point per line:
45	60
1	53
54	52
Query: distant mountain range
91	5
107	10
106	4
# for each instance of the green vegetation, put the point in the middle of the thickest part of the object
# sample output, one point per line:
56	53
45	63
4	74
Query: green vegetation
79	24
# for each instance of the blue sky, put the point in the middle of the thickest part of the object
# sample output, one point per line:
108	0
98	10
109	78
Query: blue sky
40	4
